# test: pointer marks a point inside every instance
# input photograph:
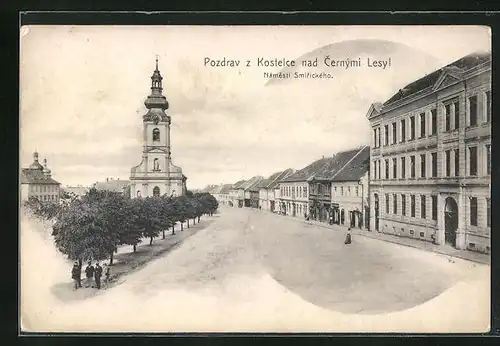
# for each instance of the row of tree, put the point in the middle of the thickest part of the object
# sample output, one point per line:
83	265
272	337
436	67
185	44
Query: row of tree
94	225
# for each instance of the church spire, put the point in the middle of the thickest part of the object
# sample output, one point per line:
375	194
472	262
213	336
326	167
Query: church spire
156	98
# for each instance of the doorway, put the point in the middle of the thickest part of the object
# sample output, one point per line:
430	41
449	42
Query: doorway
450	221
376	212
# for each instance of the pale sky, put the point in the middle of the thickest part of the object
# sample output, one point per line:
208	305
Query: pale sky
83	89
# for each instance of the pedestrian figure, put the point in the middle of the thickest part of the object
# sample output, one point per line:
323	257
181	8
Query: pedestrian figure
106	275
97	275
76	273
89	272
348	236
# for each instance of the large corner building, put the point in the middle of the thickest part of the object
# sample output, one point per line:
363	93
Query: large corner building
156	175
431	157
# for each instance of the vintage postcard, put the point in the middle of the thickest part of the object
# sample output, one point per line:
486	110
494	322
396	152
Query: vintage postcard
255	178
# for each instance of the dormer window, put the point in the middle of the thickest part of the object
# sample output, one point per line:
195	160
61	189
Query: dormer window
156	135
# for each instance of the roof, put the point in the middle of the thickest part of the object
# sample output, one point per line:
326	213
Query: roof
36	176
209	188
238	184
251	182
456	68
324	168
255	185
356	168
225	188
116	185
275	178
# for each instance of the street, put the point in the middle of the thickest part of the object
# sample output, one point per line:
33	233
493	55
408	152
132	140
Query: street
253	270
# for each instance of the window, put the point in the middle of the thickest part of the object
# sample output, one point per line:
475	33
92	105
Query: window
447	115
422	125
403	167
473	111
433	121
378	134
434	165
488	159
357	191
488	212
386	140
488	106
395	204
448	162
348	191
434	208
412	205
456	114
457	163
403	130
394	168
387	203
379	169
422	207
386	169
422	165
412	127
156	135
473	211
341	190
375	138
412	166
394	134
403	204
473	161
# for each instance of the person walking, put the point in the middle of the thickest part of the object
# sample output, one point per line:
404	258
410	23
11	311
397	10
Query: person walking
76	273
348	238
97	275
89	273
106	275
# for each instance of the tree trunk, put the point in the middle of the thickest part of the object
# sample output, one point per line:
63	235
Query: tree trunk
163	231
111	259
188	222
173	229
80	262
135	247
150	241
199	219
182	226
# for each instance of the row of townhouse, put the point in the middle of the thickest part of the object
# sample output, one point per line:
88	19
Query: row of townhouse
332	190
426	175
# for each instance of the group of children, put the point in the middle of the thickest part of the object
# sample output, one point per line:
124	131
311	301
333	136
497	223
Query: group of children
92	274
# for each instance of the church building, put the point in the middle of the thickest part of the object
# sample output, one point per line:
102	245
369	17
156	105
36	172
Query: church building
156	175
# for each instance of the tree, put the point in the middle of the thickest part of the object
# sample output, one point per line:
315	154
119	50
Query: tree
166	213
46	210
180	210
79	233
148	217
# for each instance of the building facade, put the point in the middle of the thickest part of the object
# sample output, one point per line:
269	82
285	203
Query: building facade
36	181
350	192
156	175
431	157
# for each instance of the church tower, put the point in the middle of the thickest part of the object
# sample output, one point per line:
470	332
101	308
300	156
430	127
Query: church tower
156	175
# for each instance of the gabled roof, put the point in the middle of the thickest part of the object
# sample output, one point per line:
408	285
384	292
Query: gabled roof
209	188
356	168
238	184
225	188
36	176
307	172
456	69
282	175
252	183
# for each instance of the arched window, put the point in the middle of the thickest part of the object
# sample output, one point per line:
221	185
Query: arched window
156	191
138	193
156	135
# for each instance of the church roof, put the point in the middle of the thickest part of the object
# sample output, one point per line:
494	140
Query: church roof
36	176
